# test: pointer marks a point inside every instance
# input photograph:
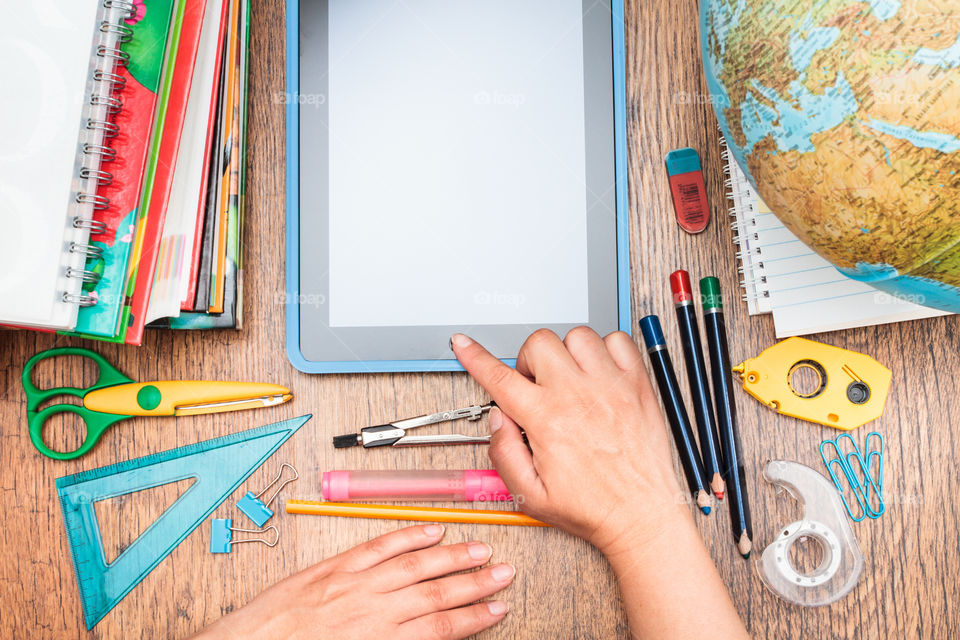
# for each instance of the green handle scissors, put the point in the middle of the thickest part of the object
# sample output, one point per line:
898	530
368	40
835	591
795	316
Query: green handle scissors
115	397
95	421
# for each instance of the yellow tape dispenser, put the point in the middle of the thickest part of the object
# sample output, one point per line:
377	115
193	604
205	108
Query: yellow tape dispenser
843	389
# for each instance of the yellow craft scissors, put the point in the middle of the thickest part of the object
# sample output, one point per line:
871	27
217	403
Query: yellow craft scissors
115	397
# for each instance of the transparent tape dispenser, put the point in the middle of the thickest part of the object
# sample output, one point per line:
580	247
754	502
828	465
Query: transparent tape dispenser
825	521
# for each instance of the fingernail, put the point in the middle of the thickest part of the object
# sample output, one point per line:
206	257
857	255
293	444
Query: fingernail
433	530
496	419
497	607
502	572
459	340
479	550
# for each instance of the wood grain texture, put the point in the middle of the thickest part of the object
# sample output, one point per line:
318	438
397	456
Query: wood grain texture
564	588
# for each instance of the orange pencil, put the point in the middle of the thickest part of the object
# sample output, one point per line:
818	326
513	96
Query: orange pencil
421	514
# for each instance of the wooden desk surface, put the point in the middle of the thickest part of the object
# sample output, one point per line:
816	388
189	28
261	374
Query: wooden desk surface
564	588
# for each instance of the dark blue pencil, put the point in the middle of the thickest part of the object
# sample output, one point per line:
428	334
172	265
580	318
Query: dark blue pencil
676	412
697	376
726	414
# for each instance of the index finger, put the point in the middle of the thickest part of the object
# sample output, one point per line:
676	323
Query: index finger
509	389
373	552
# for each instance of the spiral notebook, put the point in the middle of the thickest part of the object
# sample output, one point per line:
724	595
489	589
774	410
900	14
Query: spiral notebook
55	137
781	275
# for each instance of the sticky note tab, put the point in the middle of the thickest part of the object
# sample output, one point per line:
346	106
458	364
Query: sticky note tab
253	507
220	535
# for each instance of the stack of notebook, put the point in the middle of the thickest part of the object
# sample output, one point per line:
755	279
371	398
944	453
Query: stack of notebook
783	276
136	220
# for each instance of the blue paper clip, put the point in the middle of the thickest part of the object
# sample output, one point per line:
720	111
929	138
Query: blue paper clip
858	470
256	509
221	535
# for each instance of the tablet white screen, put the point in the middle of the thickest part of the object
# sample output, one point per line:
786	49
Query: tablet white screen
457	168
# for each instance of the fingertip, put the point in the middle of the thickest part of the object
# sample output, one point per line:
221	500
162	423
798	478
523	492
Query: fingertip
479	551
496	419
498	608
434	530
503	573
460	341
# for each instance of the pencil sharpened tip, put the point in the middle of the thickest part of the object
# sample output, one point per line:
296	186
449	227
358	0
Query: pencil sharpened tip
744	546
718	486
704	502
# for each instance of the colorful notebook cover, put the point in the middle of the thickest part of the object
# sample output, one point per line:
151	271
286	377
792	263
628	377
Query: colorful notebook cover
202	300
230	125
214	109
232	315
183	54
126	317
176	245
142	74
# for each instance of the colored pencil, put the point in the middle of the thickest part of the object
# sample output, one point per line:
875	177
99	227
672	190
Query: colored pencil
720	369
697	376
420	514
676	412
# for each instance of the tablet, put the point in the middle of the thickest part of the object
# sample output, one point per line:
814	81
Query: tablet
451	167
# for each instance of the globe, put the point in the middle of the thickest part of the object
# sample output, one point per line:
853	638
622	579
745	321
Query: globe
845	117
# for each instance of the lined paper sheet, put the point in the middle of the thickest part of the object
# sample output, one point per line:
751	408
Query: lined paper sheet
805	293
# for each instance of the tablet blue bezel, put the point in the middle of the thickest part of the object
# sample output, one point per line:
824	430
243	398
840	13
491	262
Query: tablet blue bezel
293	211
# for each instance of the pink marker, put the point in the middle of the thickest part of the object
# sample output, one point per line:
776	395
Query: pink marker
472	485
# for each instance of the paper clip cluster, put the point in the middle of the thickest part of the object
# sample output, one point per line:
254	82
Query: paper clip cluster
863	472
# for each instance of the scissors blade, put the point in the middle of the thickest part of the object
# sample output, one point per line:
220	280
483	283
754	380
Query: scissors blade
232	405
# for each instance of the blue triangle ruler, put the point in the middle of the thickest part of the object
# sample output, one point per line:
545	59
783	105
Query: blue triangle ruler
218	466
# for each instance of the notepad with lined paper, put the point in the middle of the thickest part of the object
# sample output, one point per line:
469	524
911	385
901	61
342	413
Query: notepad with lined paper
783	276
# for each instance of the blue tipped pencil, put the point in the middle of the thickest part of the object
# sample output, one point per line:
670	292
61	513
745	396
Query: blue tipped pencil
676	412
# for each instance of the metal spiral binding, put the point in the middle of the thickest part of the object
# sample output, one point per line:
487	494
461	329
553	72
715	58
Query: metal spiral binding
747	224
112	103
109	129
83	274
121	57
89	250
106	153
99	202
102	178
130	8
80	299
123	32
106	105
93	226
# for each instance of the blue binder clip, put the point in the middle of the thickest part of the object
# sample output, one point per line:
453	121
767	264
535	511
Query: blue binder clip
863	473
256	509
221	535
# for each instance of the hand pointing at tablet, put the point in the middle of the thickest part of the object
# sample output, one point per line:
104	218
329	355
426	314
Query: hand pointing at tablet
599	465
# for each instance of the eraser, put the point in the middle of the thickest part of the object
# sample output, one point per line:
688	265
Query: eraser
688	190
